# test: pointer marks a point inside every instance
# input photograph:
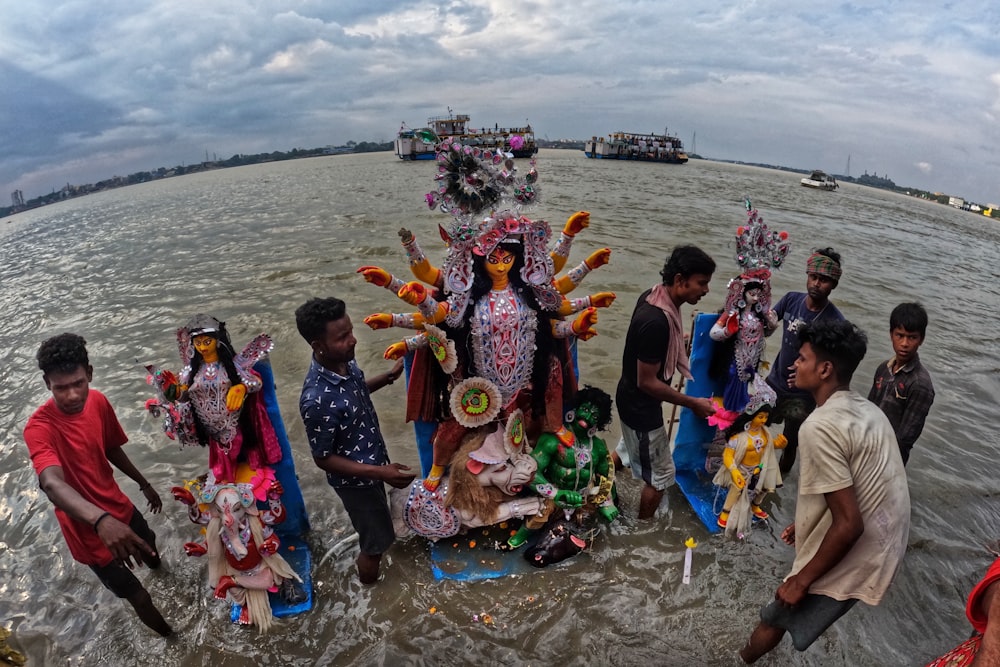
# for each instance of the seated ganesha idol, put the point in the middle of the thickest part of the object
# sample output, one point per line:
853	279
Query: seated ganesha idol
488	472
244	563
575	474
215	402
501	306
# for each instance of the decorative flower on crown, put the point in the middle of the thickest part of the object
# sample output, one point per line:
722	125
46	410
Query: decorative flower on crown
473	181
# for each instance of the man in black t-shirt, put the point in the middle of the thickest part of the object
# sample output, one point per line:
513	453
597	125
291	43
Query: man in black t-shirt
654	350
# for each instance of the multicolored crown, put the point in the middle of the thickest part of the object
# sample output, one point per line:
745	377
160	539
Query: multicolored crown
485	196
757	247
473	181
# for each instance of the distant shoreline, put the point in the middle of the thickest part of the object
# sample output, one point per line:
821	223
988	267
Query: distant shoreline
74	191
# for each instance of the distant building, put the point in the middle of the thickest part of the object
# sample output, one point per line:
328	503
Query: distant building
17	199
957	202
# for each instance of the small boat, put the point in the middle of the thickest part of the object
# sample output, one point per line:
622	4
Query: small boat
637	146
820	180
421	144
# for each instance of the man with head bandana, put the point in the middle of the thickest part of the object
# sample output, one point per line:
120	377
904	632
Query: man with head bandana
795	310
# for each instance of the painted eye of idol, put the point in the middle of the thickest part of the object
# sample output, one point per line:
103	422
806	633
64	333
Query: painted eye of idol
500	256
204	342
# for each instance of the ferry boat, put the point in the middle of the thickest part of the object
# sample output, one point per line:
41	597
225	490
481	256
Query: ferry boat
820	180
421	144
637	146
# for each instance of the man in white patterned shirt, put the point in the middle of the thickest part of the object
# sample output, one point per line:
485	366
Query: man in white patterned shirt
343	429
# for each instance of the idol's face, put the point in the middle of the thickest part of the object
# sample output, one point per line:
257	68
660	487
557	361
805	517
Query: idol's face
511	475
499	264
208	347
587	416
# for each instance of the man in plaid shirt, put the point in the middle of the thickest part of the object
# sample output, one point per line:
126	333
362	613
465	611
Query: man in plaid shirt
902	387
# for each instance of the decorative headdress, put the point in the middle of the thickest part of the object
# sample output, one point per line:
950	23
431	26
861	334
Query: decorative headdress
200	325
251	485
761	394
758	250
483	192
204	324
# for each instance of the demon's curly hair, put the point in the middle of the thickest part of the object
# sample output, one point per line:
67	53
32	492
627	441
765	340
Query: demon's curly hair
600	400
63	354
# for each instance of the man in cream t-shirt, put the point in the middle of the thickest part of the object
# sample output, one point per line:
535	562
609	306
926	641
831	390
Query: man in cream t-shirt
852	515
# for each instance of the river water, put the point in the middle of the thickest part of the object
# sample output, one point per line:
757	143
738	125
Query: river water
124	268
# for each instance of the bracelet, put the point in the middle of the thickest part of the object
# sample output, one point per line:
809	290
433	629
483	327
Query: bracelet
142	489
577	273
416	342
99	519
388	378
563	245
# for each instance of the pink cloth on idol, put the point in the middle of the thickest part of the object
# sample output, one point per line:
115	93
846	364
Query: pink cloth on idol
266	453
676	357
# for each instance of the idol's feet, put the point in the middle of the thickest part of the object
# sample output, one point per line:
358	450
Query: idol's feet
758	512
434	477
225	583
723	519
518	539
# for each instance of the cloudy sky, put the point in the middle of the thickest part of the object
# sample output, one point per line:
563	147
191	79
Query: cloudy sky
911	90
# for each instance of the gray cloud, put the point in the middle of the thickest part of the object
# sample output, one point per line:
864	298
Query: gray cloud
911	90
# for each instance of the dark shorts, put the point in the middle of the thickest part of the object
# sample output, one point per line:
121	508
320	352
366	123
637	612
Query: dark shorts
808	620
369	511
115	576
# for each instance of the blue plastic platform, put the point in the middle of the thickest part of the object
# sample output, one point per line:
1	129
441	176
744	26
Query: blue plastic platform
694	435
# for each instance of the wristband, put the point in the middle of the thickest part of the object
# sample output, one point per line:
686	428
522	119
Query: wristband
142	489
416	342
99	519
577	273
562	246
404	320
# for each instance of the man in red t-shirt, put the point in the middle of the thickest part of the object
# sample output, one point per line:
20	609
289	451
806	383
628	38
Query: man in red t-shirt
983	610
73	439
